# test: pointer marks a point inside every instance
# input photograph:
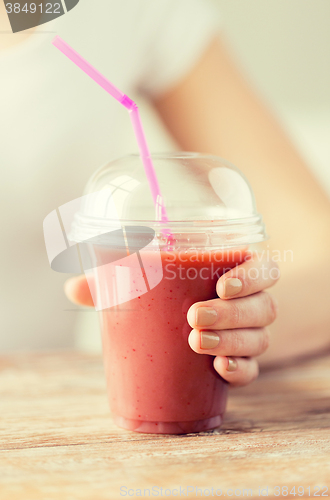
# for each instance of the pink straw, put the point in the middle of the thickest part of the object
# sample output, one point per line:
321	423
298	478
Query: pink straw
134	115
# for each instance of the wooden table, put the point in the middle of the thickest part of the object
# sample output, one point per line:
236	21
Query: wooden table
58	441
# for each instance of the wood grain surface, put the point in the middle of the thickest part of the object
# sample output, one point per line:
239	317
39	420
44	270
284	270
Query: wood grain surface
58	441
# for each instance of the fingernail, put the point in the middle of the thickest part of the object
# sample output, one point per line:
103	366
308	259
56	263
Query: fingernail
232	365
205	316
231	287
209	340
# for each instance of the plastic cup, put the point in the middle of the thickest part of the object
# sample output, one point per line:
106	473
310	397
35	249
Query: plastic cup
156	383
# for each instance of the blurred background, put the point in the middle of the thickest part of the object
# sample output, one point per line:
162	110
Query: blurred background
284	49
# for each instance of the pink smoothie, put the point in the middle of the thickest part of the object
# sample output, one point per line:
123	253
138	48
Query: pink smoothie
156	383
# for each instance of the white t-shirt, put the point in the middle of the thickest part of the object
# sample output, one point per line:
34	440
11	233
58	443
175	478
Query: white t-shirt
57	126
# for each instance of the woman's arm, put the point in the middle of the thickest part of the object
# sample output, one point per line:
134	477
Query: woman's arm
215	111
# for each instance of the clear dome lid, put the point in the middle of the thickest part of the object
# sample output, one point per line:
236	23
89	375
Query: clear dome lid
208	201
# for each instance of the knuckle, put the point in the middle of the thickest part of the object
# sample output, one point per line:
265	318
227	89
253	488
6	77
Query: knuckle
235	314
253	310
248	277
274	270
270	306
237	342
274	307
252	275
264	340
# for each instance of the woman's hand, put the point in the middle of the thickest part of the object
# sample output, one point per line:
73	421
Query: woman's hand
234	327
231	328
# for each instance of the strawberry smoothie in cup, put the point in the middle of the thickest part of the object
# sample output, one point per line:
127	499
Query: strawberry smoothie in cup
148	272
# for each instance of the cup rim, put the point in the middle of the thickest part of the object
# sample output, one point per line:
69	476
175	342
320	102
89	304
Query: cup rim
249	228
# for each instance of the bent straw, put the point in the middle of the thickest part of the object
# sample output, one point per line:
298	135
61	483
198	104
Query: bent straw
79	61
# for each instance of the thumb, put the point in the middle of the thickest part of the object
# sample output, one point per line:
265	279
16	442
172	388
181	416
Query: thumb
77	289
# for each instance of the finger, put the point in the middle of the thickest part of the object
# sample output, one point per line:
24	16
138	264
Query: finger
254	275
237	371
257	310
243	342
77	290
